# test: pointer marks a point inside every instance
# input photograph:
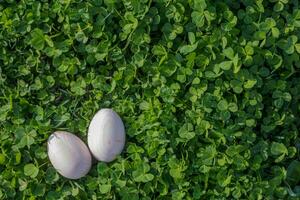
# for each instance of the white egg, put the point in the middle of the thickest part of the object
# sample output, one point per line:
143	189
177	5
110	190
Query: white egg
106	135
69	155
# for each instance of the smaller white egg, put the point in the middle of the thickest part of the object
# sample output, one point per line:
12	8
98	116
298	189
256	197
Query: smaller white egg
69	155
106	135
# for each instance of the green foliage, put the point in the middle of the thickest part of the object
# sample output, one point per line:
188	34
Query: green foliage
208	90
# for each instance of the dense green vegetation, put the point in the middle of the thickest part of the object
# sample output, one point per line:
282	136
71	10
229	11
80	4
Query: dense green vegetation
208	91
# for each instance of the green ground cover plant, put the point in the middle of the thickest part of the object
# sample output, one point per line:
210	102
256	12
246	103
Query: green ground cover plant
208	91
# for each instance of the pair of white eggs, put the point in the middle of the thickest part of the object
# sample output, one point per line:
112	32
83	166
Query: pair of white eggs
106	139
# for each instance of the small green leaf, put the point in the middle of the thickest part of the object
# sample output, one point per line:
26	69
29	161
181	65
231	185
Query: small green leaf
188	48
187	131
2	159
232	107
191	37
105	188
81	37
297	47
31	170
145	105
37	39
148	177
223	178
48	41
51	176
278	149
198	18
275	32
293	172
196	81
159	50
249	50
225	65
199	5
39	190
176	173
278	7
4	110
260	35
229	53
223	105
250	122
250	83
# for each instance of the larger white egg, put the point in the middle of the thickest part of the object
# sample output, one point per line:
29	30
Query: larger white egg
69	155
106	135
